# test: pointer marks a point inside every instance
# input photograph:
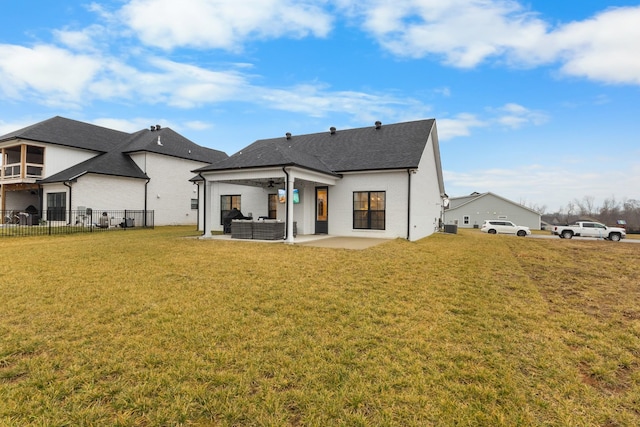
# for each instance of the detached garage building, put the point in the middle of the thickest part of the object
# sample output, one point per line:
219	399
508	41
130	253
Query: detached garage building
471	211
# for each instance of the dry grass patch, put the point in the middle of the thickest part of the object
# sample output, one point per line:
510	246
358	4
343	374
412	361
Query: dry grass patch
151	328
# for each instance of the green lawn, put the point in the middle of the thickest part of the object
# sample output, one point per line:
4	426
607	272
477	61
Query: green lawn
147	327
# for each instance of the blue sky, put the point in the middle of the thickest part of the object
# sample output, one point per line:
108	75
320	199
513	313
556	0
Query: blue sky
536	101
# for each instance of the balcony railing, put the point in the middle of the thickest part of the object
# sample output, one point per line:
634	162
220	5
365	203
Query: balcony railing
11	171
34	170
14	171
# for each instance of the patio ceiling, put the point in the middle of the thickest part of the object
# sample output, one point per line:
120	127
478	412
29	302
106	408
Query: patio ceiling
272	177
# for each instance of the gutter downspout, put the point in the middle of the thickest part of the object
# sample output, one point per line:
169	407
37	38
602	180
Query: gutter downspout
198	209
204	205
286	205
70	204
409	173
145	202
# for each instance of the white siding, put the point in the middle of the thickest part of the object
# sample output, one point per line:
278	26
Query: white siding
304	213
426	200
103	192
253	200
169	191
393	183
57	158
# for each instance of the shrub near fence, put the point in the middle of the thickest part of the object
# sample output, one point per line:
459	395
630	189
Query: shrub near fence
56	221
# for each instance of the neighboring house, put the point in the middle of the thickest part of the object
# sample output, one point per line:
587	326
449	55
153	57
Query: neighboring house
62	165
471	211
379	181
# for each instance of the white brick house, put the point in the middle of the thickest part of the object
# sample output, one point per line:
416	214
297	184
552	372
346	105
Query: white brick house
70	165
380	181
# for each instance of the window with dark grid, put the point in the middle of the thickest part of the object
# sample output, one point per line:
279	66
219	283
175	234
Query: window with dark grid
369	210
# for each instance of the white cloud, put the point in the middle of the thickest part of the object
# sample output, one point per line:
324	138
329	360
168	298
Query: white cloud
317	100
198	125
466	33
55	76
49	74
58	77
443	91
125	125
8	127
603	48
461	125
463	32
515	116
222	24
81	40
511	115
188	86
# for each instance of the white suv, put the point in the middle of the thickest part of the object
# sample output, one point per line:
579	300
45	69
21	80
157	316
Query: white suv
494	226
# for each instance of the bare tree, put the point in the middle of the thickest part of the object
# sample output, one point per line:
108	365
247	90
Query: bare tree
610	211
541	209
571	211
631	213
586	207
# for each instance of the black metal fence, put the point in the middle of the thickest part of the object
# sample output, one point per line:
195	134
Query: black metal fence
58	221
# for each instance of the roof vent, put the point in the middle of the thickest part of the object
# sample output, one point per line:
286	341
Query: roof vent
159	142
378	124
332	130
153	128
158	127
288	135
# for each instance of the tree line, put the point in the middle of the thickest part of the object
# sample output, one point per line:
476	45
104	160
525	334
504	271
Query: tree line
611	212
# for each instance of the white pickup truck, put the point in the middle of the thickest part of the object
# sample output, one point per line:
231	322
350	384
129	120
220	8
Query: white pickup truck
589	229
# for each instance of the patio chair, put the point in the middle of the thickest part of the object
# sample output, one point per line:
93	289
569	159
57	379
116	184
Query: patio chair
11	217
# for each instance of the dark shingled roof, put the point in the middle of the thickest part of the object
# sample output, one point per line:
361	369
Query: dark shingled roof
394	146
112	147
173	144
70	133
114	163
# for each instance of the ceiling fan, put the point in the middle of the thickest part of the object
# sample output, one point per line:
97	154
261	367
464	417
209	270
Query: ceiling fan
271	182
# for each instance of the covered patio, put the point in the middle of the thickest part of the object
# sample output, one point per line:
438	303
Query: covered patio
299	201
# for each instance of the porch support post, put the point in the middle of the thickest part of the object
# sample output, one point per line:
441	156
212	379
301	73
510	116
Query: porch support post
290	184
3	200
208	208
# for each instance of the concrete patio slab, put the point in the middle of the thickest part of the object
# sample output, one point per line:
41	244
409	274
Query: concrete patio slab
315	240
357	243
